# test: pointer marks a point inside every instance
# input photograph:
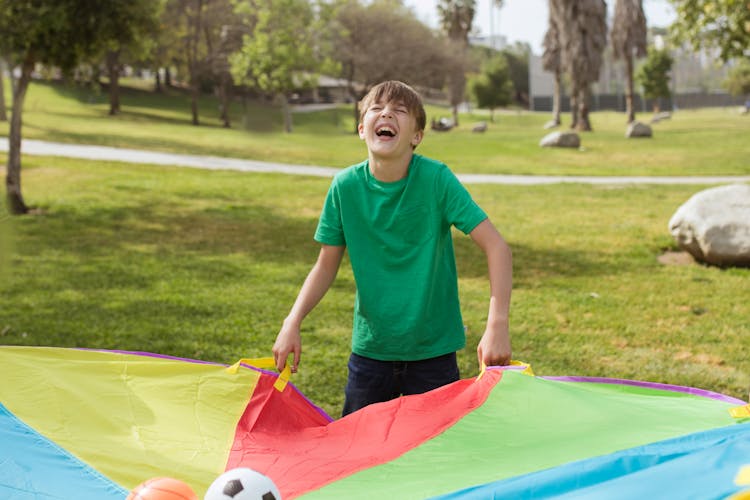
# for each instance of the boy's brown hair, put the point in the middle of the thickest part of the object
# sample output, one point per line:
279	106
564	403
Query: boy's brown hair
395	91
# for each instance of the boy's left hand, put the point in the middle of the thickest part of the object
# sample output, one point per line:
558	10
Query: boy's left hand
494	347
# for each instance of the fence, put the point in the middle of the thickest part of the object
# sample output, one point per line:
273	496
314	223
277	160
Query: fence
615	102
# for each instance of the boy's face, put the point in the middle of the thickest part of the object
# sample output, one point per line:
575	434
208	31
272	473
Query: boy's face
389	130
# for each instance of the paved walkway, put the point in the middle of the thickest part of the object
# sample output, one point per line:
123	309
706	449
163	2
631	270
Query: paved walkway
42	148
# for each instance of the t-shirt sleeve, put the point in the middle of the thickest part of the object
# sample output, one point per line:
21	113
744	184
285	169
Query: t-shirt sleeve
460	208
330	229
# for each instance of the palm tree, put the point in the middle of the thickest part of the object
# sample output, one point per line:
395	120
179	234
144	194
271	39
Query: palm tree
628	38
583	36
456	19
551	59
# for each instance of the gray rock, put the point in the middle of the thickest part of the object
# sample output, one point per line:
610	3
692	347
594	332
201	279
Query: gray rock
480	127
560	139
664	115
714	225
638	129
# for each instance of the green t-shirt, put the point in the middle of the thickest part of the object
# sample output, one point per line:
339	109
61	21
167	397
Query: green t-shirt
398	235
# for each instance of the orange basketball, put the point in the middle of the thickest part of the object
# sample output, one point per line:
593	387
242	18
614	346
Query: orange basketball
162	488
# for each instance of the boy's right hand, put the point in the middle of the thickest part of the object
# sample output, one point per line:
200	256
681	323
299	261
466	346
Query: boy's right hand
288	341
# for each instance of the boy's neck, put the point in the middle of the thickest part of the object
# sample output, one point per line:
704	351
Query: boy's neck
390	169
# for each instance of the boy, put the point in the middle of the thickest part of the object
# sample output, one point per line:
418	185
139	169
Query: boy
394	212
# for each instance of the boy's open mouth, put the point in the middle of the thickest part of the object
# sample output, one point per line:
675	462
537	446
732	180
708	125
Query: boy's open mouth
385	131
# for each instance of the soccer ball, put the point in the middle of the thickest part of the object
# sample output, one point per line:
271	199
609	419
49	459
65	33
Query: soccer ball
242	484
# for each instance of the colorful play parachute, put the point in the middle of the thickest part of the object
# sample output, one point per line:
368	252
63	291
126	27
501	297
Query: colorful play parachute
81	424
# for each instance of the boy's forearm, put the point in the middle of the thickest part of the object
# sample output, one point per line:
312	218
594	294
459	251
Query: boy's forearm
316	284
494	348
312	292
500	270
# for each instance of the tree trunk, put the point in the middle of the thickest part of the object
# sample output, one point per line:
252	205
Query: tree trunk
167	77
629	108
356	116
287	110
584	124
113	72
193	43
224	99
194	93
3	111
457	82
16	205
574	109
657	105
557	93
157	80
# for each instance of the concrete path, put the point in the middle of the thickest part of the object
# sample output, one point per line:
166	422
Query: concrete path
42	148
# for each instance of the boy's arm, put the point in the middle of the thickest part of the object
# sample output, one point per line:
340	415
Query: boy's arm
494	347
316	285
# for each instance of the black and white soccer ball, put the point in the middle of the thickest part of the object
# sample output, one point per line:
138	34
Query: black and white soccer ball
242	484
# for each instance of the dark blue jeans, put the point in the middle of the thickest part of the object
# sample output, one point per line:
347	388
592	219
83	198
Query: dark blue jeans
372	381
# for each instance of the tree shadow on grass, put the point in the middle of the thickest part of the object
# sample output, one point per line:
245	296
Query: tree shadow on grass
250	115
166	279
115	140
259	232
533	263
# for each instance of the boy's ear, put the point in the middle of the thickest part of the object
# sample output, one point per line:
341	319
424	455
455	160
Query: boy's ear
361	130
417	139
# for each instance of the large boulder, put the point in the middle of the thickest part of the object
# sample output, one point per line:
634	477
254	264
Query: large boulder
714	225
638	129
560	139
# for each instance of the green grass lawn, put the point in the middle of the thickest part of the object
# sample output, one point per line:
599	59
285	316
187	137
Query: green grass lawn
704	142
206	264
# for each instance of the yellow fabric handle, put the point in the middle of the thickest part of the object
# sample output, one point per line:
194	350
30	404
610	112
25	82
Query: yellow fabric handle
740	411
527	368
267	363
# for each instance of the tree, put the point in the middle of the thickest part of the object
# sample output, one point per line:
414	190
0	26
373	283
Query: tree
738	80
456	19
196	38
583	36
517	57
279	56
126	26
167	51
552	59
410	51
653	75
3	113
493	87
193	13
724	24
51	32
223	36
628	38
